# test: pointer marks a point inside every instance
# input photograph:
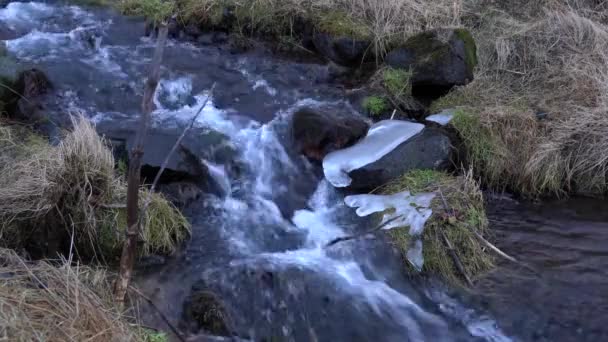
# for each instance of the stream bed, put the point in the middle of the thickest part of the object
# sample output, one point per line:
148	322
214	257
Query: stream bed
259	244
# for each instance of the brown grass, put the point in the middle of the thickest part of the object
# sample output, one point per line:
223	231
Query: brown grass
73	188
549	58
40	302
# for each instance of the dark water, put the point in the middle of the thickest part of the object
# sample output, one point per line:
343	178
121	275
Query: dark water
567	243
259	247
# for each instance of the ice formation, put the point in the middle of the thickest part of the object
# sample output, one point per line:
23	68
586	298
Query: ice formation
404	209
442	118
382	138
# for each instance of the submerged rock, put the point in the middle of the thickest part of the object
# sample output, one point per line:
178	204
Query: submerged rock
440	60
203	310
431	149
317	133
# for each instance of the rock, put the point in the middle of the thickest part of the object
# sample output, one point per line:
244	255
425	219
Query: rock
173	28
317	133
193	30
181	193
33	85
342	50
431	149
185	170
203	310
440	59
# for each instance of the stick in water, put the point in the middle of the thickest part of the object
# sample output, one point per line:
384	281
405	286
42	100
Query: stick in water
356	236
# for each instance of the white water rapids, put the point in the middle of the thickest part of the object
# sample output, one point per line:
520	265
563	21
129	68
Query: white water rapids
250	219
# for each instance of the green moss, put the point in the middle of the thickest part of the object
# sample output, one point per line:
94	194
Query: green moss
427	47
397	82
375	105
470	48
154	10
463	214
148	335
341	24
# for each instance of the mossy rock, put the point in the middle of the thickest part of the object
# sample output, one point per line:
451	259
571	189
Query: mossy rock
440	59
203	310
458	218
342	39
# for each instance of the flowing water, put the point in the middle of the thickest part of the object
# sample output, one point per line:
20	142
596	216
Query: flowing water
259	245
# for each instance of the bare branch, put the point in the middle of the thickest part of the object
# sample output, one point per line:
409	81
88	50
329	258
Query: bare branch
129	250
356	236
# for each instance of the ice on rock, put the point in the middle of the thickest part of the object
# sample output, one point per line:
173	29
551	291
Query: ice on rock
442	118
381	139
407	209
414	255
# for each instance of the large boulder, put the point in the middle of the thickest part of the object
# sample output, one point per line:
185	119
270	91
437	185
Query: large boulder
188	167
316	133
431	149
440	59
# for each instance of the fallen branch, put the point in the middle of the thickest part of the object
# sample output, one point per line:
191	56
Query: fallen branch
356	236
456	259
486	242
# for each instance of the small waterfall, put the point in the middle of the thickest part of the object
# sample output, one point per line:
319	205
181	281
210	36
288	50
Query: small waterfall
277	214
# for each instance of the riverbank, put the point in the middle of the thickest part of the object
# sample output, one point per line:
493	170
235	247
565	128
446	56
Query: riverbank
258	199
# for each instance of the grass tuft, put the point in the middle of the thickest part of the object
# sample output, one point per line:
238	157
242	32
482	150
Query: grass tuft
41	302
73	187
465	213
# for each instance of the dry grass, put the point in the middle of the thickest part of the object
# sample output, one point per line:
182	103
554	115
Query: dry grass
549	58
464	213
70	191
40	302
385	21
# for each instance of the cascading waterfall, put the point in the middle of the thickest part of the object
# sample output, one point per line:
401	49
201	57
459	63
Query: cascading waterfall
276	215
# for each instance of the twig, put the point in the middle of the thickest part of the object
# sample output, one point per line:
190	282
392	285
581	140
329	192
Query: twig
356	236
487	243
160	313
177	144
393	115
456	259
113	206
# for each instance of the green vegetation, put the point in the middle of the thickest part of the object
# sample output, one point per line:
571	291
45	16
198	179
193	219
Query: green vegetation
463	215
470	48
154	10
375	105
342	24
154	336
397	82
74	184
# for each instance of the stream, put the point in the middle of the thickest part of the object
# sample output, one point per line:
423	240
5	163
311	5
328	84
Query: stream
259	244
